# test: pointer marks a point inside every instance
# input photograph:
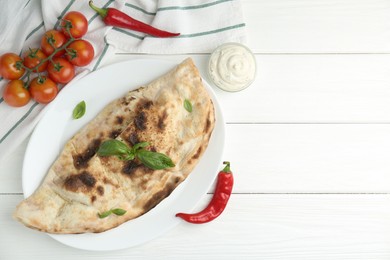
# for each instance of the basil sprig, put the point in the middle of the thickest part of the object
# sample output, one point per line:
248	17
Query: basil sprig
153	160
79	110
117	211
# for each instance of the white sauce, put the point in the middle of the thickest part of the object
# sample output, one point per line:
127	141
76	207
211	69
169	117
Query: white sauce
232	67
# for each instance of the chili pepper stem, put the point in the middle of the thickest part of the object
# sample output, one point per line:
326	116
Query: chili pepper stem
101	11
227	167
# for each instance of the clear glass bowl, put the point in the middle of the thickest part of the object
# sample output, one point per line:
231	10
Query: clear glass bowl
232	67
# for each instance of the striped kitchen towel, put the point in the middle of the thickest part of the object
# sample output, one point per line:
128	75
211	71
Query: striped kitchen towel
203	25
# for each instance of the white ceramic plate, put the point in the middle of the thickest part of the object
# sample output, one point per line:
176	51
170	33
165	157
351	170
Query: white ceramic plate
57	126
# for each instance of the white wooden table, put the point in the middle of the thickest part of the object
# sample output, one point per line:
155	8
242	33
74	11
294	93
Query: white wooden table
309	143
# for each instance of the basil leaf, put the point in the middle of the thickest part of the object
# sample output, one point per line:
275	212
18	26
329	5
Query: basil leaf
115	148
187	105
105	214
154	160
119	212
79	110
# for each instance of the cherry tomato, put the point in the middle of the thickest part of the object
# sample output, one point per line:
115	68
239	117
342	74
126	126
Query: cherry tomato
15	94
54	37
76	23
61	70
43	89
11	66
33	57
80	53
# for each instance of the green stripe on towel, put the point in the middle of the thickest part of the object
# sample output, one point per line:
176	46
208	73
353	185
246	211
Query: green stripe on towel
211	32
192	6
139	9
128	33
167	8
191	35
63	13
34	30
26	4
101	56
19	122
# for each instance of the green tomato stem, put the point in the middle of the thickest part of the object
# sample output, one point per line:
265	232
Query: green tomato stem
48	58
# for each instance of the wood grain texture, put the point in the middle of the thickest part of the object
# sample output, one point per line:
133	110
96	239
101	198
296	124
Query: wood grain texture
317	26
252	227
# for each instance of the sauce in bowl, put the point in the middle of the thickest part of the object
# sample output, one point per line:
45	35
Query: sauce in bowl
232	67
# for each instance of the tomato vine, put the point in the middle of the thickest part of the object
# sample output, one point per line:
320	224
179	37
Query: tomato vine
48	66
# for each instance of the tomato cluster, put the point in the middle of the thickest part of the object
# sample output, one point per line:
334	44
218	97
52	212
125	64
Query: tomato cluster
51	64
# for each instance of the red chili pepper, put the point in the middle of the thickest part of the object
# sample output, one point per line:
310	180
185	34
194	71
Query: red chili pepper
114	17
218	202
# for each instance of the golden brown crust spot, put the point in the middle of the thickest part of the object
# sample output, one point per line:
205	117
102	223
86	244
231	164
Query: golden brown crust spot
107	181
100	190
161	120
81	160
130	167
133	138
158	197
177	180
114	134
82	181
198	153
134	169
207	125
119	120
140	120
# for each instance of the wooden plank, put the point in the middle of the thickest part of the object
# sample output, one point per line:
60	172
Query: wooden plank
315	227
318	158
320	26
307	89
296	158
313	89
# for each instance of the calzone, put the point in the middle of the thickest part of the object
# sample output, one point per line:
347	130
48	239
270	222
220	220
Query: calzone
80	184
